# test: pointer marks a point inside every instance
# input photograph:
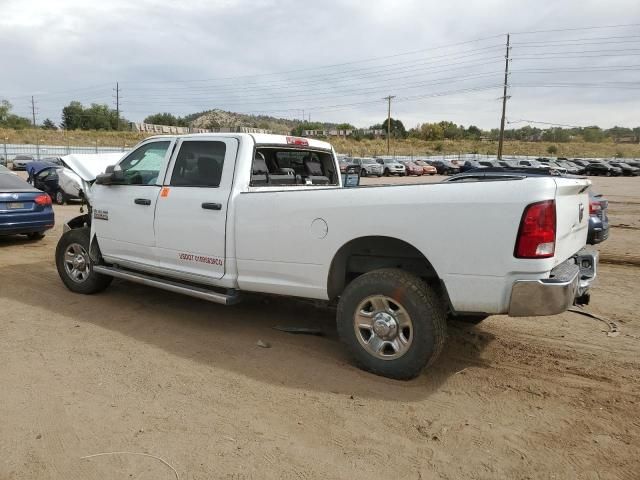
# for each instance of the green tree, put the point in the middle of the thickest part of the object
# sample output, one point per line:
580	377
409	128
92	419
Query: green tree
165	119
473	132
431	131
10	120
592	134
552	149
72	116
397	128
49	125
96	117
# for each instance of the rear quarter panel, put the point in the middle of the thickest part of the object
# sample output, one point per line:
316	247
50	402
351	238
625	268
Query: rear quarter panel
467	232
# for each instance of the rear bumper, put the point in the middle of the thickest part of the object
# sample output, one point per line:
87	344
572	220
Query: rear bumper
568	283
33	223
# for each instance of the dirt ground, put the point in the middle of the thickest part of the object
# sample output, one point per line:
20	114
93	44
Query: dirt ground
144	371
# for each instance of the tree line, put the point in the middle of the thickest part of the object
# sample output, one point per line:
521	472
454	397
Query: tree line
76	116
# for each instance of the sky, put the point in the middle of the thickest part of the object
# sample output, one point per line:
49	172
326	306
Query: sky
572	62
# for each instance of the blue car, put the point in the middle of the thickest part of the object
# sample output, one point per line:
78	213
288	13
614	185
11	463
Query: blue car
23	209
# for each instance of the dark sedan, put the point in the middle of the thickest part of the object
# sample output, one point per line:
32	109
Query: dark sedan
627	170
470	165
598	219
601	168
23	209
445	167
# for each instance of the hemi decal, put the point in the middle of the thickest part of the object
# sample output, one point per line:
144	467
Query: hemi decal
101	214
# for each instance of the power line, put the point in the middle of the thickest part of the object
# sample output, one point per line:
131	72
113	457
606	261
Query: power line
366	72
543	123
597	27
286	96
576	40
371	59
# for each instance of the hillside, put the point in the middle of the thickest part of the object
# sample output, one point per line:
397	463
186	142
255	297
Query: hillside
220	118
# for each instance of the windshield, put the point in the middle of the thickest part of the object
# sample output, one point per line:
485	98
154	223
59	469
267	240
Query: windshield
368	161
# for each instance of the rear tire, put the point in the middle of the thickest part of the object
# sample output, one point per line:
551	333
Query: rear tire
473	319
75	266
392	322
35	235
363	173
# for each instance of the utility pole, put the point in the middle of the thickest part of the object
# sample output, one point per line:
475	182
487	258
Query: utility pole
117	106
33	111
389	122
504	100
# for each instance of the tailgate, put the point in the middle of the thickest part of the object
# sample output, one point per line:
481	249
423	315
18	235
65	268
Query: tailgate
572	216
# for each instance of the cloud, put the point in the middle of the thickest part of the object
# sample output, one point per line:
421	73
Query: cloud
285	57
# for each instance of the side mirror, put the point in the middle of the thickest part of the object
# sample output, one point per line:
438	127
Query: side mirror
111	176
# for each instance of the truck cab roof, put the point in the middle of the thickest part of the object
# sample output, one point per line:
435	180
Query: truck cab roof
258	138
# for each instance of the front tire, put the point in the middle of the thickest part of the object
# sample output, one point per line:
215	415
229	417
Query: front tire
472	319
392	322
75	266
60	197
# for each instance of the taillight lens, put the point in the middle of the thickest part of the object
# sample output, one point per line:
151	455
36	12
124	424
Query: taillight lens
537	233
594	207
43	200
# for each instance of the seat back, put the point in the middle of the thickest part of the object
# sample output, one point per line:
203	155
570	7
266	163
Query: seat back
259	170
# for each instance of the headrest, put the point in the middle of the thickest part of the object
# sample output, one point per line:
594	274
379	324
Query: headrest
259	165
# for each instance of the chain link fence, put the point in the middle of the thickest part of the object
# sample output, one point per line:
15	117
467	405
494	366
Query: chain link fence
8	151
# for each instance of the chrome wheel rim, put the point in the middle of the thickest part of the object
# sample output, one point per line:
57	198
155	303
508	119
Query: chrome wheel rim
59	198
383	327
77	263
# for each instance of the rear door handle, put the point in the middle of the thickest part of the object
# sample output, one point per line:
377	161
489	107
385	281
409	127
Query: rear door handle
142	201
212	206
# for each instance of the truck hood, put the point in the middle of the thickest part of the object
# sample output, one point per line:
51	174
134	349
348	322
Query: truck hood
89	165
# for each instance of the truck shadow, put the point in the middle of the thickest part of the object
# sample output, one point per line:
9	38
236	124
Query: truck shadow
226	337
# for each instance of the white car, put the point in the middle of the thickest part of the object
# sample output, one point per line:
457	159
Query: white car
20	162
216	215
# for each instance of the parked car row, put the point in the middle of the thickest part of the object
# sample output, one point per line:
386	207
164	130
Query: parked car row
374	166
575	166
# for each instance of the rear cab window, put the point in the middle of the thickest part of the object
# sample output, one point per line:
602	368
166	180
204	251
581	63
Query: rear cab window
282	166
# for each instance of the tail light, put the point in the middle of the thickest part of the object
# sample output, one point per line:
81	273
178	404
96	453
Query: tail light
43	200
537	233
594	207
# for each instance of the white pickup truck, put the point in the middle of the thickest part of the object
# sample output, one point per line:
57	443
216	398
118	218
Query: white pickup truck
215	215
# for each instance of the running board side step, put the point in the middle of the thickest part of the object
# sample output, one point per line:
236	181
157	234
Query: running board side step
169	285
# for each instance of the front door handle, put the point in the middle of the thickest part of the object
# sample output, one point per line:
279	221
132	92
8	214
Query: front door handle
142	201
212	206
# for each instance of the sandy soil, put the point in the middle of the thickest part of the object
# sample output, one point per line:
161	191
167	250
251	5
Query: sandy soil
139	370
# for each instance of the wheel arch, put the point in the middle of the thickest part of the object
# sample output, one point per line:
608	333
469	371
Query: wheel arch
80	221
373	252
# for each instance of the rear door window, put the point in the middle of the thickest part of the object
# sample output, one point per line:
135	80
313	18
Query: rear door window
199	164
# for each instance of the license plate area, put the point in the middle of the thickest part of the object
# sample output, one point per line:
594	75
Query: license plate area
15	205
